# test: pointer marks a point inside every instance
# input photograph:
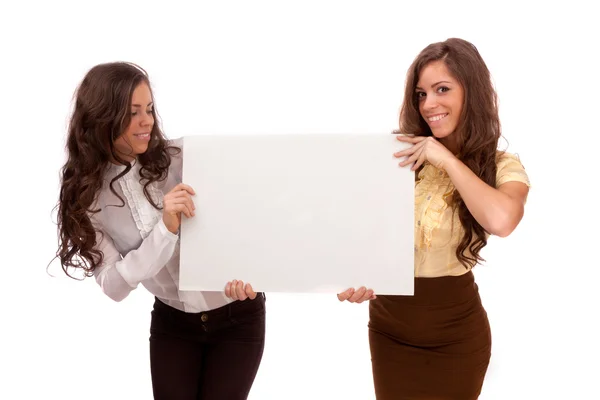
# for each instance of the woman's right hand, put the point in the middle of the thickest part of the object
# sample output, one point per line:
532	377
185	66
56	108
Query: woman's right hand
178	201
236	290
357	296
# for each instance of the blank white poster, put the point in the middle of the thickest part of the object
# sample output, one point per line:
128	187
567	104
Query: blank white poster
303	213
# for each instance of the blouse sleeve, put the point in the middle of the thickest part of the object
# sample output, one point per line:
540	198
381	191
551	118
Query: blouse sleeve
510	169
118	275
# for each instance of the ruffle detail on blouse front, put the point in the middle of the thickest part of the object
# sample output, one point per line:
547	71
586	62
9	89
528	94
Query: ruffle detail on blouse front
143	213
430	179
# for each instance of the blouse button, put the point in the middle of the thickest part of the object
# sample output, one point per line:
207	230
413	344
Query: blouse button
429	197
440	173
419	223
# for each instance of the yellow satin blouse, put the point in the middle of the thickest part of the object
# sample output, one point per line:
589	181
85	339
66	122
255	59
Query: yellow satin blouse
438	230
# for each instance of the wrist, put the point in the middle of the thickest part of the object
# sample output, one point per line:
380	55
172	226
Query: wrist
173	228
172	236
451	164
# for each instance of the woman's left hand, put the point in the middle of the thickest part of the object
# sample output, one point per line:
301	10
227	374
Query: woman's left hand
425	148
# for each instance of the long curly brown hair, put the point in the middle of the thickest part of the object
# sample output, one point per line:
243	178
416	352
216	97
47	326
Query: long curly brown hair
102	112
478	131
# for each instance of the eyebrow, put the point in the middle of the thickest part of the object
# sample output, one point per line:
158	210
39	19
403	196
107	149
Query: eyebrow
138	105
435	84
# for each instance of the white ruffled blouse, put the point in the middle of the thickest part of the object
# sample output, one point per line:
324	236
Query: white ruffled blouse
137	246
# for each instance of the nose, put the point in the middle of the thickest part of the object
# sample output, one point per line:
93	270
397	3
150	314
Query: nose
147	119
429	103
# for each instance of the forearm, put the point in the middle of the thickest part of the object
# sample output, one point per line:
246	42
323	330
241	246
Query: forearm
152	255
497	212
112	283
119	276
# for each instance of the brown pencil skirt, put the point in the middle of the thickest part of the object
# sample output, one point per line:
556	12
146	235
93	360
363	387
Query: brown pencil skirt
435	345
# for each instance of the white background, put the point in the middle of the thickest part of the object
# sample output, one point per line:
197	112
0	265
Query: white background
309	66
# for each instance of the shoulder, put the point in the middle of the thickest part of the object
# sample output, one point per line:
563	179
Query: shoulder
176	142
510	168
504	157
175	150
109	173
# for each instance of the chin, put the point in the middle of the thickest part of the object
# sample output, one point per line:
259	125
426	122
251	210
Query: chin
441	134
141	150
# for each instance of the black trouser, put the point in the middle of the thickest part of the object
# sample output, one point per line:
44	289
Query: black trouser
211	355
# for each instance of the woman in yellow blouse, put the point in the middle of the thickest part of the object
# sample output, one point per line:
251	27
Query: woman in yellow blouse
437	343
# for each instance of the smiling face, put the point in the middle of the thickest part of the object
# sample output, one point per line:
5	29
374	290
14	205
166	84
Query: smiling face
135	139
441	99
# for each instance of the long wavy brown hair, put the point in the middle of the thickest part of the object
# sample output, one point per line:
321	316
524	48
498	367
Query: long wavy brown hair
102	112
478	131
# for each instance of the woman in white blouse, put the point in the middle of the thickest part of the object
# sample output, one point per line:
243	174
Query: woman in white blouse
120	208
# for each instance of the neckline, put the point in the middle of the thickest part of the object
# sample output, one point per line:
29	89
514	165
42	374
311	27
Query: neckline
122	166
430	171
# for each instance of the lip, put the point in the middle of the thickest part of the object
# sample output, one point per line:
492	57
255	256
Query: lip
145	136
436	121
